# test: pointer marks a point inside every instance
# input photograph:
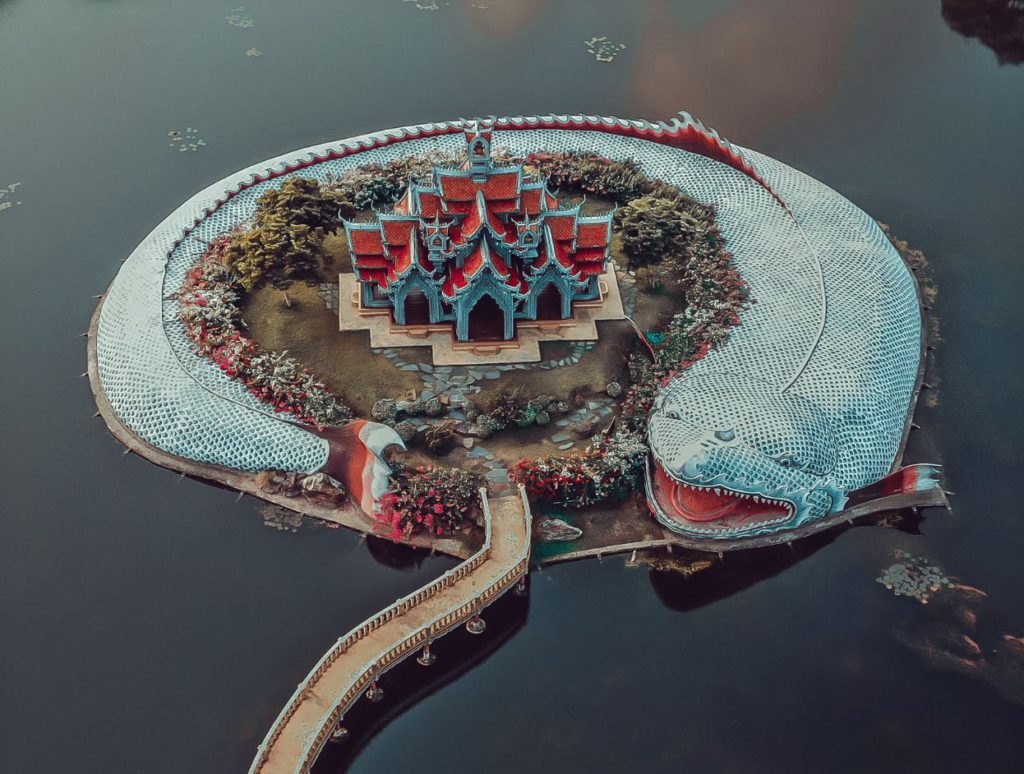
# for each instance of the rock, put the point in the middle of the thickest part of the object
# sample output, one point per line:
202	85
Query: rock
406	430
468	442
558	407
613	389
542	418
433	407
557	531
319	487
278	482
566	446
384	410
585	428
559	438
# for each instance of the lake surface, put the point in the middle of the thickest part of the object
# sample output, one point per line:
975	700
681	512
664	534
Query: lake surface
152	624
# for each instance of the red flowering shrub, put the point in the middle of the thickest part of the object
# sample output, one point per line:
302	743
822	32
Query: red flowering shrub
427	499
608	469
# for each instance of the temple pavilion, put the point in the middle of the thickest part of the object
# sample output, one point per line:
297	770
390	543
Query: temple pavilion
481	245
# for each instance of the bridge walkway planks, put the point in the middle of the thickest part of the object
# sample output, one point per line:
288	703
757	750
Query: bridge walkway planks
357	659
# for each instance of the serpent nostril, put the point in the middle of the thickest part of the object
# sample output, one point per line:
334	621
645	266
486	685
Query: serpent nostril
725	435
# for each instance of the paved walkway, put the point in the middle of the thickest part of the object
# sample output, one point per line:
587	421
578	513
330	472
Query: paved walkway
349	668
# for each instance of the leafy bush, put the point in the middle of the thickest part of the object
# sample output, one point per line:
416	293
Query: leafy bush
440	439
429	499
208	309
587	172
655	228
608	469
379	185
285	240
506	405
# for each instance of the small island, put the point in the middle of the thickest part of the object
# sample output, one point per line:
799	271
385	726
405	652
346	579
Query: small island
515	340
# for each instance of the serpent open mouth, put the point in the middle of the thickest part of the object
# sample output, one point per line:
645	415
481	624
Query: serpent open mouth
717	510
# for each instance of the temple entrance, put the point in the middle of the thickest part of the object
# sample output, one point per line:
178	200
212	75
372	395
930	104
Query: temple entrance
486	320
549	303
417	308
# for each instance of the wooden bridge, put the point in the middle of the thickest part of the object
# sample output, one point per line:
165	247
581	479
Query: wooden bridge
353	665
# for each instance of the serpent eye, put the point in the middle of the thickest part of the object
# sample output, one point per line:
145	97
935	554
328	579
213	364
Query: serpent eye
725	435
787	461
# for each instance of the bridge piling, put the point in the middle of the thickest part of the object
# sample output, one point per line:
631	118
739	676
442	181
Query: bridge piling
374	693
476	624
426	656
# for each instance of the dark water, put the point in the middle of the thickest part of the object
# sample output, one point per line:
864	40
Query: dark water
156	625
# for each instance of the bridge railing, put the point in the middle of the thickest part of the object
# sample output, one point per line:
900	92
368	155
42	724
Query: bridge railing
373	669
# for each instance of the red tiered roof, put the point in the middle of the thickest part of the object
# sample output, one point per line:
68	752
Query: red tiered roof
459	203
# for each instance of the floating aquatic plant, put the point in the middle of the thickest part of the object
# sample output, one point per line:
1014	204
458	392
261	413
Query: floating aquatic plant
913	576
5	203
189	140
603	49
427	5
239	18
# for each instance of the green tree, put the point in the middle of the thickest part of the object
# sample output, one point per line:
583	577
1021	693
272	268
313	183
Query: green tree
657	229
285	241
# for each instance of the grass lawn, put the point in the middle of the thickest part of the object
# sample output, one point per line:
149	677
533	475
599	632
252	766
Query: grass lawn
343	361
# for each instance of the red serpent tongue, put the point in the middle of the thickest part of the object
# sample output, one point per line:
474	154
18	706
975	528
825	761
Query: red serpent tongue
705	505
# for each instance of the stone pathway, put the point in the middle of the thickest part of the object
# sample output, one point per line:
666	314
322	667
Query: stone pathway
328	292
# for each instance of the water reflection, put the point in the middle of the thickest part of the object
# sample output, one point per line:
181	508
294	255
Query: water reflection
999	24
732	574
739	571
779	58
409	683
395	555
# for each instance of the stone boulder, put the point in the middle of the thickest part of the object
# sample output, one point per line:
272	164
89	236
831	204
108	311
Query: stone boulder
557	531
321	488
585	427
278	482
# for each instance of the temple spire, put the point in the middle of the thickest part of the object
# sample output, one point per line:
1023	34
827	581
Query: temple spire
478	147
